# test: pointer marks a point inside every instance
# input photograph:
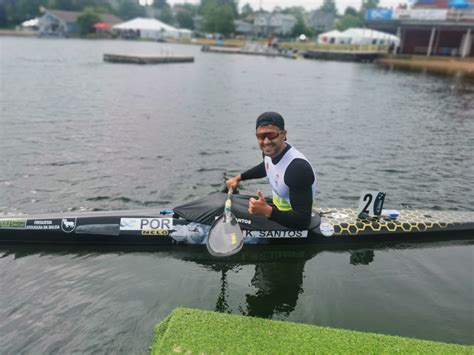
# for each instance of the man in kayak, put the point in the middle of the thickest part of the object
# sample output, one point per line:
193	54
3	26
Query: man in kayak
290	174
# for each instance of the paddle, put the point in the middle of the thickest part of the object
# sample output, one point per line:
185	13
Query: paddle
225	237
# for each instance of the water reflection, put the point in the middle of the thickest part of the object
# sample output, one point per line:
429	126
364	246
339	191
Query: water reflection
278	272
278	281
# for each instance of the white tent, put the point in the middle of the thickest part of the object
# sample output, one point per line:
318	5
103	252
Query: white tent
31	23
367	36
330	37
150	28
358	36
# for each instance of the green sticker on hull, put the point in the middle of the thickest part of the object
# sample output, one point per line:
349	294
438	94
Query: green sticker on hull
12	223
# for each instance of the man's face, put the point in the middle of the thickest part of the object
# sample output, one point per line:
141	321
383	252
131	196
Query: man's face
271	140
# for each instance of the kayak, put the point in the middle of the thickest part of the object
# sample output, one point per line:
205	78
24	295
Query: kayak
189	224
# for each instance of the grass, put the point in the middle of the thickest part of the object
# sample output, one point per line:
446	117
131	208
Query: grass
193	331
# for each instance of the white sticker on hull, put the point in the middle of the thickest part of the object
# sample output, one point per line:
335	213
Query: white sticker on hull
140	224
276	234
327	229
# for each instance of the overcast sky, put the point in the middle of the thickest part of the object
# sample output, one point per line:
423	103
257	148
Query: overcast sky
308	4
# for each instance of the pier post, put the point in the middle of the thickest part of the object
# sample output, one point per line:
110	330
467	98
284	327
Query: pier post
400	43
466	44
430	46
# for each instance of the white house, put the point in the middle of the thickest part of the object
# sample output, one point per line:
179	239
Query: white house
279	24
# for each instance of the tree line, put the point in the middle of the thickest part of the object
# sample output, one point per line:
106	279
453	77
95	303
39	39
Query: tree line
217	15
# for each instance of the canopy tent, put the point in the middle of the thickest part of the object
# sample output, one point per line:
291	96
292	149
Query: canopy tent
102	26
367	36
329	37
30	23
150	28
358	36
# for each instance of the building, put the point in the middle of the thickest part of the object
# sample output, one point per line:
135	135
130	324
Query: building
428	29
277	24
243	28
59	23
322	21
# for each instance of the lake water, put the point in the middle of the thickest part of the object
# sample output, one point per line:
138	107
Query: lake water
77	133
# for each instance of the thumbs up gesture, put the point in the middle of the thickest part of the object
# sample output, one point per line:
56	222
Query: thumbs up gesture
260	206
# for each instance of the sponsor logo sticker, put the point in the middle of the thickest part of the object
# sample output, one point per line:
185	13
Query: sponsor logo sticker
43	224
12	223
155	232
68	224
276	234
327	229
244	221
339	215
148	226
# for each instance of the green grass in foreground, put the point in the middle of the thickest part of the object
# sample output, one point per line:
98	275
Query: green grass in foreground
193	331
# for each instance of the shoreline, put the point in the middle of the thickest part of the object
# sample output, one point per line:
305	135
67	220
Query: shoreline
442	65
434	64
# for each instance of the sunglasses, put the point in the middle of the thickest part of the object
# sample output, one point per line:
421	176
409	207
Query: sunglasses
269	135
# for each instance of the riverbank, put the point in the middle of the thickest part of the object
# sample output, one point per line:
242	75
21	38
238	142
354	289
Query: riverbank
195	331
446	65
6	32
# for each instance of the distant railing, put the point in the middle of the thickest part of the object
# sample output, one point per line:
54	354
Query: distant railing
336	47
461	15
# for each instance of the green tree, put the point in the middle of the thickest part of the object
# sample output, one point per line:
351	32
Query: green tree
128	9
348	21
159	4
166	15
219	19
205	4
246	11
329	6
87	19
301	28
351	11
185	20
368	4
13	12
297	11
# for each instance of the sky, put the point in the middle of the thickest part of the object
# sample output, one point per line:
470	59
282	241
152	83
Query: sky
307	4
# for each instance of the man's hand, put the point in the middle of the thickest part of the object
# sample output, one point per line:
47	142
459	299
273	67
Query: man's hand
233	182
260	206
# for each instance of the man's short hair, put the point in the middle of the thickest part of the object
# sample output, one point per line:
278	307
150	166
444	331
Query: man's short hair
270	118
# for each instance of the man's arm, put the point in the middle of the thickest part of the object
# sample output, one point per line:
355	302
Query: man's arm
256	172
299	177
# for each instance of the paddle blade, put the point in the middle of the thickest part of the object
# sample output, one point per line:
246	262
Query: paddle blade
225	237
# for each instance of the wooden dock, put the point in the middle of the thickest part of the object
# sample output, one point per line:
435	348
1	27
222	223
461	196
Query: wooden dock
233	50
145	59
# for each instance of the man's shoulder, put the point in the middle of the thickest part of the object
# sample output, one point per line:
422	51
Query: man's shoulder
299	172
300	163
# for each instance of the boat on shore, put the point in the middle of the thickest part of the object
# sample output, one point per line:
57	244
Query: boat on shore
189	224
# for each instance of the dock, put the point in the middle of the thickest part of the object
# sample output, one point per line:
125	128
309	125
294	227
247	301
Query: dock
233	50
345	56
145	59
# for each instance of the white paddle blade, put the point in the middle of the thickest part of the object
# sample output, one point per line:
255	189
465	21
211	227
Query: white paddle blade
225	237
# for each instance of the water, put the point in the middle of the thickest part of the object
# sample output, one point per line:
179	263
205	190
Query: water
80	134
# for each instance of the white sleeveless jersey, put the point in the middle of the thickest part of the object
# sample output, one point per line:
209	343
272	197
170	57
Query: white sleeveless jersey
276	178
